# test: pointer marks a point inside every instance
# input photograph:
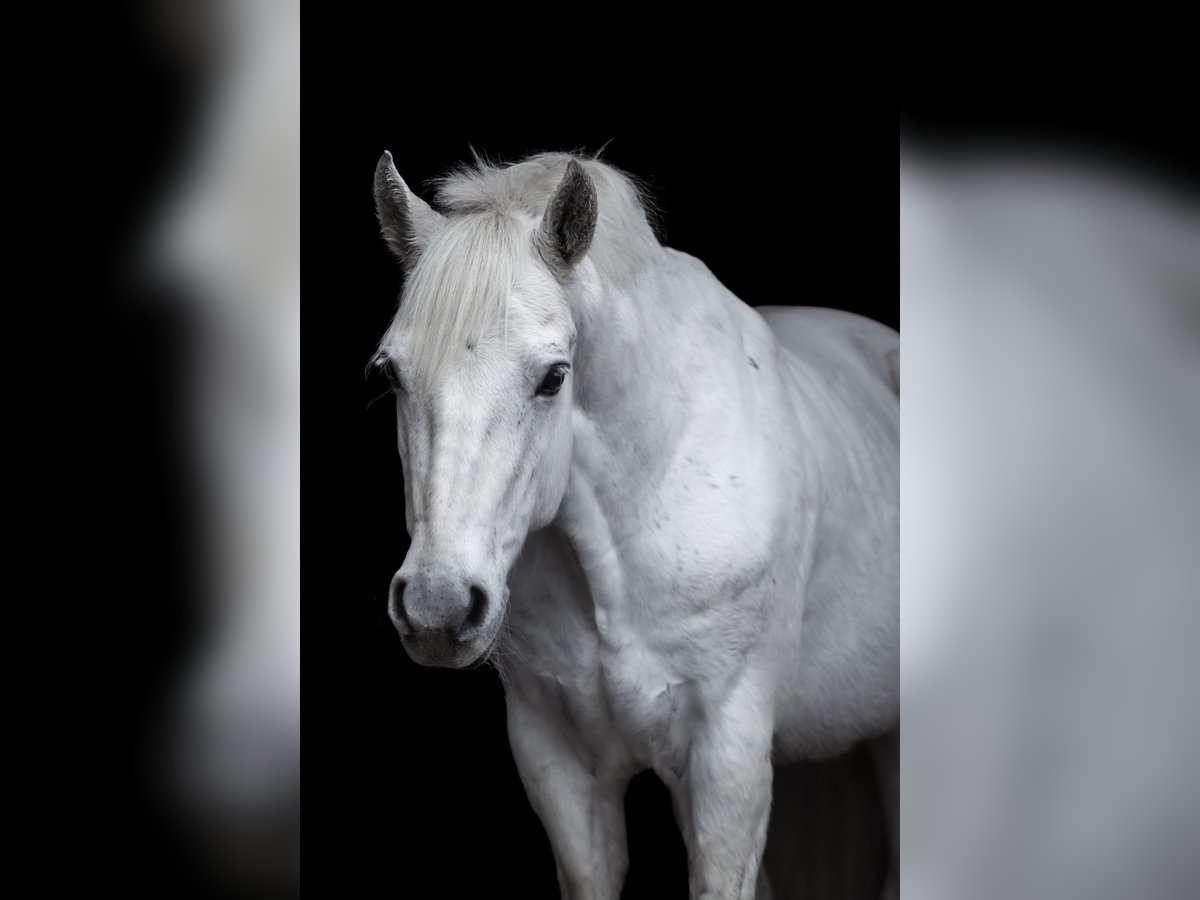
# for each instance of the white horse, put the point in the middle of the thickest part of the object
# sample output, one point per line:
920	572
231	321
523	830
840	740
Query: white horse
671	520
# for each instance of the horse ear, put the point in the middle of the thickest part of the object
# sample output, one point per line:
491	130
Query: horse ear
406	221
569	221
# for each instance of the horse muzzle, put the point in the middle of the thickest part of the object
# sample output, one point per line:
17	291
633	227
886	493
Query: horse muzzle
443	620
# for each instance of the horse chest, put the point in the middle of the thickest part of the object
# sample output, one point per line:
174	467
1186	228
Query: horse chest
622	702
630	656
652	706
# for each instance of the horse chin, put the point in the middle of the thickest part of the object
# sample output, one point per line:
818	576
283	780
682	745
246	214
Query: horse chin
452	655
488	643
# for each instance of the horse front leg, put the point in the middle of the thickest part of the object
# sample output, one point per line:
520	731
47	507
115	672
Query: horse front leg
726	798
579	800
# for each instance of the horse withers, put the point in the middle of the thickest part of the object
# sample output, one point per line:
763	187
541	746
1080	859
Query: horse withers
670	520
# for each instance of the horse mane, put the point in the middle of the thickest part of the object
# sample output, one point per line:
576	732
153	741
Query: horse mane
456	293
624	231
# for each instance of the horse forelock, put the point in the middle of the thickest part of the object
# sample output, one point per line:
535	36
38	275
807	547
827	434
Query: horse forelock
457	293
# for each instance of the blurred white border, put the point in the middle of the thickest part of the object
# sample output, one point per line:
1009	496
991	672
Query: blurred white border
1050	530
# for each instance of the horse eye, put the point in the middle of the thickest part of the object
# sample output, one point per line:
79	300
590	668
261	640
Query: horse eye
553	381
393	376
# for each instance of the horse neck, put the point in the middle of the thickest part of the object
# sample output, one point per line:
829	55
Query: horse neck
638	352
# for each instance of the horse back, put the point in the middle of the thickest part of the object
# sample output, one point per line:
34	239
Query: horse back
836	337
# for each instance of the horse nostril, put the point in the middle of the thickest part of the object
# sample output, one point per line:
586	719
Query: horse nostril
475	613
399	614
